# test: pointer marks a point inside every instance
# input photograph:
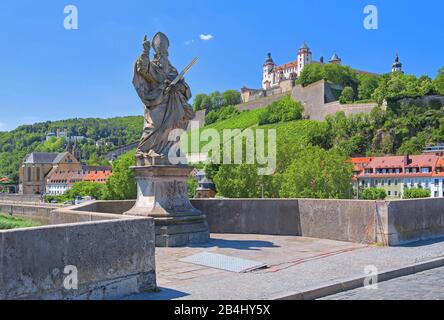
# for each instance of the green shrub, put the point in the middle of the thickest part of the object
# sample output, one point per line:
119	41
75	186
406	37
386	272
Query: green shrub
374	194
416	193
122	184
58	199
283	110
347	96
223	113
8	222
86	189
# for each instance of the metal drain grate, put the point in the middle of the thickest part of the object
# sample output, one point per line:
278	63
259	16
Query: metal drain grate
219	261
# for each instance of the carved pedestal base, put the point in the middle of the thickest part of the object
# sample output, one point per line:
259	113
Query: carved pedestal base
162	193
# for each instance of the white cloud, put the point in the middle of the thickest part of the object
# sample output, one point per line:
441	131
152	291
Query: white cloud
2	125
206	37
189	42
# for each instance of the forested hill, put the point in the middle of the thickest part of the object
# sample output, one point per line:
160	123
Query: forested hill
110	133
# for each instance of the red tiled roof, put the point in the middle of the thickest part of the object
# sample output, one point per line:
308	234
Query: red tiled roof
360	163
71	177
419	161
292	64
399	162
98	176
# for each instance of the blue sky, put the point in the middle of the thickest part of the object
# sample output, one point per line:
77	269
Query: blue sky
49	73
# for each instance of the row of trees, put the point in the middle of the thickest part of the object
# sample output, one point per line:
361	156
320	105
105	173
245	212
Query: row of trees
381	194
216	100
365	86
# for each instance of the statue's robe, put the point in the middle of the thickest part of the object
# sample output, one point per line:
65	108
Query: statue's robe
164	111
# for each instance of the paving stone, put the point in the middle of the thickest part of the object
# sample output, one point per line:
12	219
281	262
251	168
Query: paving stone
290	274
427	285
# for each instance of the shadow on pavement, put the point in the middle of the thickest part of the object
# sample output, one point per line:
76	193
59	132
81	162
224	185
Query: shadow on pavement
163	294
421	243
252	245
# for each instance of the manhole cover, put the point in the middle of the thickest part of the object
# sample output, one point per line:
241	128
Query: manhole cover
220	261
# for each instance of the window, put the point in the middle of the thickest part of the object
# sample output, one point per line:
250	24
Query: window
436	181
38	175
396	193
389	193
29	174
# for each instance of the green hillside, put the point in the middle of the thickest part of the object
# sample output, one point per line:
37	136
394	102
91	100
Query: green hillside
115	132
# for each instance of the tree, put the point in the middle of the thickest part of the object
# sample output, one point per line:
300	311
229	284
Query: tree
317	173
283	110
192	186
367	86
374	194
415	145
243	181
416	193
86	189
197	103
334	73
122	184
438	83
216	100
231	98
221	114
347	96
206	104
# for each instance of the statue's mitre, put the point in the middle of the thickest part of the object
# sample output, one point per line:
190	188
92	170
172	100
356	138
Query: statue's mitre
160	43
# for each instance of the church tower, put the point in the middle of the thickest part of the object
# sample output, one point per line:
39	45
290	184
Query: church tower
335	59
397	66
268	78
304	57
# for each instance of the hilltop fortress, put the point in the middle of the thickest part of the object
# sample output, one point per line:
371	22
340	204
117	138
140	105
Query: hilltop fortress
319	99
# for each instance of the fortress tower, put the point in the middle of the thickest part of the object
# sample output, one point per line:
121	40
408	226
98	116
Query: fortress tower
304	58
397	66
335	59
268	78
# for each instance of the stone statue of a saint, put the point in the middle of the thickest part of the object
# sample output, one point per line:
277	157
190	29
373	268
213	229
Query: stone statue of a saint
162	192
165	100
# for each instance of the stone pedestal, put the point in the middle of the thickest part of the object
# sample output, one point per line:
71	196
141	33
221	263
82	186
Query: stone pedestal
162	194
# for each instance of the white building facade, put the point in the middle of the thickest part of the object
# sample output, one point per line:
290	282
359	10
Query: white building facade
274	74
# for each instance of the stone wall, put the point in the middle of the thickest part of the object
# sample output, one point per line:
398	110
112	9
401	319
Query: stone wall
317	98
389	222
259	103
37	212
344	220
318	101
20	198
349	109
114	255
414	220
255	216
